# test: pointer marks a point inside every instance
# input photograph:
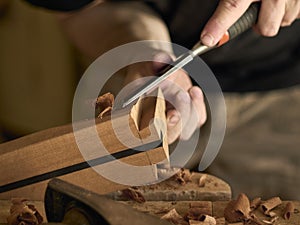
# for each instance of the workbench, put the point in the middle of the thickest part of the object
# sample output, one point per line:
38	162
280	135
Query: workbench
214	197
160	208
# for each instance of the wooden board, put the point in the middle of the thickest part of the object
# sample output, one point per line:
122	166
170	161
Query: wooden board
54	151
214	189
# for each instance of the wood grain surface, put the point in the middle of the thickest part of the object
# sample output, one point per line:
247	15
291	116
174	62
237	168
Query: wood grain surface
54	152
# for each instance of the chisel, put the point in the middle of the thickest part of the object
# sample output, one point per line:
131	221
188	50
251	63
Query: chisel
246	21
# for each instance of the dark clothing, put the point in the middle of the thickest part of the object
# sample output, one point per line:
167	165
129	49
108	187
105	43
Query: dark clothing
61	5
247	63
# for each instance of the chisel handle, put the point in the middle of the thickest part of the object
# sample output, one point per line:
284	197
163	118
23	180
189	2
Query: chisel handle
246	21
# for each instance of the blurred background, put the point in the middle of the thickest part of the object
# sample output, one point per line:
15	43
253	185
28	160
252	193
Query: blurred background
39	70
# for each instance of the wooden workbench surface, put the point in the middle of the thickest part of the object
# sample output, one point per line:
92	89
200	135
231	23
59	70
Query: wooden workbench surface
216	209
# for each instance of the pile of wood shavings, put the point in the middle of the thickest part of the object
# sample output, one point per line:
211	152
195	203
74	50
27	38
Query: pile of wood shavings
242	210
22	213
194	216
183	176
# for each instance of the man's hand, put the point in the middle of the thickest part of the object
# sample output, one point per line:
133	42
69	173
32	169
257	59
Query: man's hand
273	15
185	103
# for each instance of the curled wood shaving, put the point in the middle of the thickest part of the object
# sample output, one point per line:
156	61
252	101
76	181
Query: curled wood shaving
173	217
209	220
22	213
238	210
272	214
271	221
196	222
255	203
238	223
193	214
254	220
270	204
230	214
183	176
289	210
202	180
132	194
104	104
243	205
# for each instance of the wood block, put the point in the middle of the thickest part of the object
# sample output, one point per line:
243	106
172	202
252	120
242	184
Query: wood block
29	162
214	189
160	208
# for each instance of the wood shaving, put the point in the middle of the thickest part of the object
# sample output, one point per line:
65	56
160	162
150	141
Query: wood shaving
272	221
196	222
104	104
239	211
272	214
238	223
289	210
202	180
243	206
209	220
255	203
270	204
132	194
231	215
22	213
193	214
173	217
254	220
183	176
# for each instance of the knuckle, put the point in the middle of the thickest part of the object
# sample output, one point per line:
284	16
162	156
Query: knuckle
231	4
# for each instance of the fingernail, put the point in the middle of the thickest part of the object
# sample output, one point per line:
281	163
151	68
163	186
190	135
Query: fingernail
207	39
173	120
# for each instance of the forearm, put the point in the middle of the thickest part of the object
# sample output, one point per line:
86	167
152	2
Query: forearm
101	27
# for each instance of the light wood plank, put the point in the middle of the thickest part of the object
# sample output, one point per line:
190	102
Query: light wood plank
56	149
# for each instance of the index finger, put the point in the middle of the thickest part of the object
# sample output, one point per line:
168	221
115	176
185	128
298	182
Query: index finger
226	14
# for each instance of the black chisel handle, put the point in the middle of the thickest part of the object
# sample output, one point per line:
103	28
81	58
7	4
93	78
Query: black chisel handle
246	21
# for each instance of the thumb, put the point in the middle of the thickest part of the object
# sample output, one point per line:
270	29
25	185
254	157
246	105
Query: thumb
226	14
